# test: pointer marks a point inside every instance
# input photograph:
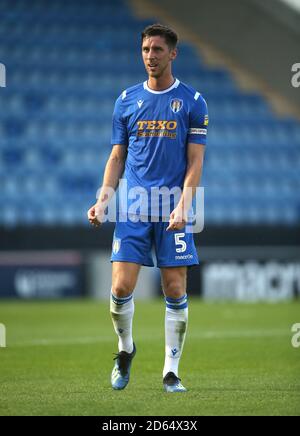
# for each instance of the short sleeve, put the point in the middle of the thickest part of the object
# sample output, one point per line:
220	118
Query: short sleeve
197	132
119	128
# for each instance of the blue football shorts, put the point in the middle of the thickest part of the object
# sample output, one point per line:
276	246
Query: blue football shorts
133	242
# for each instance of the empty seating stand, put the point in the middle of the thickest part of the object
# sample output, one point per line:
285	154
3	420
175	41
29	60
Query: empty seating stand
67	62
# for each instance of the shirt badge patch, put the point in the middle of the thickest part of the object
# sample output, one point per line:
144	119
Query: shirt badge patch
176	105
140	103
116	245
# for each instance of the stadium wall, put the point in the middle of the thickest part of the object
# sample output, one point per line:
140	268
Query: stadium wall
262	37
237	263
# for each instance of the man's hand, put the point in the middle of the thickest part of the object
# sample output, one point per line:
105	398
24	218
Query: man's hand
178	219
96	215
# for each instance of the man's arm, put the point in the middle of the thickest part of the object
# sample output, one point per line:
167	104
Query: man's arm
113	172
195	156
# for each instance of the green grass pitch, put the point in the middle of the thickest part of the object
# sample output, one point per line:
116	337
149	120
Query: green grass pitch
238	360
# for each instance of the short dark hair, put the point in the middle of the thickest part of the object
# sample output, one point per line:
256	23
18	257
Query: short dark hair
170	36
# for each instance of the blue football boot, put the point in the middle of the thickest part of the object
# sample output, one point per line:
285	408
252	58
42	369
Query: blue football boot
121	371
173	383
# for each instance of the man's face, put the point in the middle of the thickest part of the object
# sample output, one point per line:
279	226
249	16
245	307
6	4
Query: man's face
157	55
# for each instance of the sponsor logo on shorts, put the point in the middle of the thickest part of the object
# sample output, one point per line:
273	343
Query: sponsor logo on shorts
185	257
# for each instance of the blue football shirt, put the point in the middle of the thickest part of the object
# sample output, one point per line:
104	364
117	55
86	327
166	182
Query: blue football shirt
155	127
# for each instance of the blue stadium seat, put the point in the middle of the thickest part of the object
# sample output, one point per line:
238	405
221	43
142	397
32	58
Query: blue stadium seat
55	129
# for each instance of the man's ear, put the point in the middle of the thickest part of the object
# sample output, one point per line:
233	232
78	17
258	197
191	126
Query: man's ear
173	54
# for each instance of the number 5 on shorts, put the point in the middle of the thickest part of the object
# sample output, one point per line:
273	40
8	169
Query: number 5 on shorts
178	241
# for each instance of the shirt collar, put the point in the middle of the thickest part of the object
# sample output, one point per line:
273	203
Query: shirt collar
175	85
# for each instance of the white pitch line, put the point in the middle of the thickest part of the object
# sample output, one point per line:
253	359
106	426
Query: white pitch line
208	335
251	334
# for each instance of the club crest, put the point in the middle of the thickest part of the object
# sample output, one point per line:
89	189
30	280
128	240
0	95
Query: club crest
116	245
176	104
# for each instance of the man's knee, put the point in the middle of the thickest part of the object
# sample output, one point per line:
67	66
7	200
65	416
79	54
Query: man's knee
122	289
174	290
174	282
124	278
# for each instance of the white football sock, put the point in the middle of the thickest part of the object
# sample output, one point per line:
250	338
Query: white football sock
122	310
176	321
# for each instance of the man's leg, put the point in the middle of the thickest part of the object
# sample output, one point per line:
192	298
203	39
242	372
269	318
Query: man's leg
176	319
124	278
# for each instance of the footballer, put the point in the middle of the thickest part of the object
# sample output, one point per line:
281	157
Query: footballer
158	140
